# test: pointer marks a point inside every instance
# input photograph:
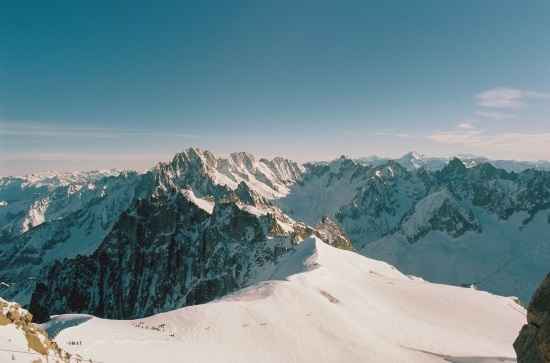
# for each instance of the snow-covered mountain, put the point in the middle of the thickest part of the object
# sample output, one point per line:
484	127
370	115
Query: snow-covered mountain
71	214
199	228
50	217
459	224
28	201
414	160
320	304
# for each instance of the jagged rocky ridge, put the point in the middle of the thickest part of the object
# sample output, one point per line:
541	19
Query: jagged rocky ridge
56	217
461	224
76	211
164	253
189	241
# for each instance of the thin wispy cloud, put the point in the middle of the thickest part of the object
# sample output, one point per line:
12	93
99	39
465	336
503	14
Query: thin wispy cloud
83	156
495	115
463	134
514	144
466	125
401	135
508	98
12	129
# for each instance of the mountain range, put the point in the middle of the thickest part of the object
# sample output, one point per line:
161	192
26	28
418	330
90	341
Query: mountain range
201	226
318	303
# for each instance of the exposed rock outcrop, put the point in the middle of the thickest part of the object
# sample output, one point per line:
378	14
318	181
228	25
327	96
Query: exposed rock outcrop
533	343
332	234
164	253
12	314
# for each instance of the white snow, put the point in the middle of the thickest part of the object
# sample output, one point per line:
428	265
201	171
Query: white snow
322	195
322	305
268	178
496	259
202	203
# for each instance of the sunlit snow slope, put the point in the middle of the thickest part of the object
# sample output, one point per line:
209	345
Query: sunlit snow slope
321	305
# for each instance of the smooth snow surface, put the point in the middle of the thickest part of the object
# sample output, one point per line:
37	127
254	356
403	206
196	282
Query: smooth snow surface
322	305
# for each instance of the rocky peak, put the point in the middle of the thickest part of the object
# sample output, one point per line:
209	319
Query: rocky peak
412	157
439	211
193	158
332	234
249	196
390	170
244	160
165	252
286	170
455	168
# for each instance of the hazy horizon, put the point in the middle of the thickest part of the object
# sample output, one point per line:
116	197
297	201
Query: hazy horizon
38	166
98	86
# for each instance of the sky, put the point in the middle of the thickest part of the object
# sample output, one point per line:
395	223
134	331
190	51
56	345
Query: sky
103	84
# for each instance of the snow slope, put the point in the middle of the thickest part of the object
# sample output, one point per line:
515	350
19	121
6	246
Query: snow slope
28	201
325	188
508	257
321	305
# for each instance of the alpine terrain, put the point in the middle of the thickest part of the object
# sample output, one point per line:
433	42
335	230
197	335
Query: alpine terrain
320	304
191	219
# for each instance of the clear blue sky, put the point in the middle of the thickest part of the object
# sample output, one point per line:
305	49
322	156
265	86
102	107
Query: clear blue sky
97	84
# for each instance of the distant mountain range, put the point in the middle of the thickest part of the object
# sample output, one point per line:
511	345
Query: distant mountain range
201	226
414	160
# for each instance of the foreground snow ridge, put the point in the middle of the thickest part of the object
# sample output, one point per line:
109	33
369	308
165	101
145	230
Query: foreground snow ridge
322	304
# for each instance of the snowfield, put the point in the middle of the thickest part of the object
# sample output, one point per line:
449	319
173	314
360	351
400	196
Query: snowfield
321	304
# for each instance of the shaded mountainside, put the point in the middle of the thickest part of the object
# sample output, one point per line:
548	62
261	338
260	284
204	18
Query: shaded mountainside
533	343
459	224
321	305
190	241
75	219
164	253
73	213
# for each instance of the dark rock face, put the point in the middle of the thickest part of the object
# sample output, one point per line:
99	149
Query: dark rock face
439	211
389	193
533	343
187	240
500	192
162	254
199	226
